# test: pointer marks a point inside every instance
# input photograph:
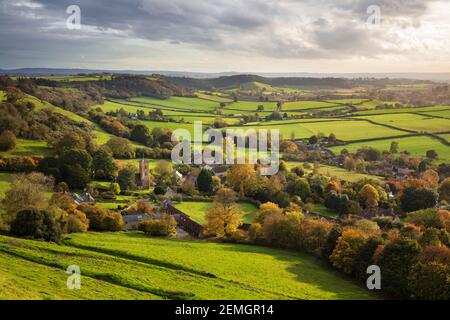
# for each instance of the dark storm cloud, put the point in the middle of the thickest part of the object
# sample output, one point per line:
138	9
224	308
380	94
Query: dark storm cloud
275	28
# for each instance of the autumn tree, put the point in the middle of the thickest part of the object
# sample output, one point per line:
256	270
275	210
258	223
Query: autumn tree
265	210
242	179
332	138
225	216
287	146
347	247
349	163
369	196
14	95
26	191
444	190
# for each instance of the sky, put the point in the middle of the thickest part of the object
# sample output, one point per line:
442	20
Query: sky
228	35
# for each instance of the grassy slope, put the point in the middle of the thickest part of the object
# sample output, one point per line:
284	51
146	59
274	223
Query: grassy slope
5	179
198	210
417	146
246	272
29	148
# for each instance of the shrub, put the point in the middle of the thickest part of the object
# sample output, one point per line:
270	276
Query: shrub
267	209
101	219
36	224
430	276
7	140
427	218
165	226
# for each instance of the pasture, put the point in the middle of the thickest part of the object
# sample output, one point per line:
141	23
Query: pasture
28	148
181	103
413	122
402	110
306	105
417	146
197	210
5	179
344	130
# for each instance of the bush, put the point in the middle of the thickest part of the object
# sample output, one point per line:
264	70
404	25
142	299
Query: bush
36	224
7	141
101	219
166	226
429	278
427	218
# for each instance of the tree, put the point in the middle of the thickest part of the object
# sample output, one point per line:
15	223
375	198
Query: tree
444	190
205	181
287	146
76	176
413	199
77	157
429	278
396	261
265	210
394	147
347	246
332	138
121	148
301	188
313	140
14	95
431	154
8	140
103	164
299	171
427	218
70	141
224	218
142	134
369	196
242	178
364	257
127	178
101	219
115	187
349	163
26	191
36	224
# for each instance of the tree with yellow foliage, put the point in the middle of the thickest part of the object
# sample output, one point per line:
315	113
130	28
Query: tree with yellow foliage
267	209
225	217
242	178
369	196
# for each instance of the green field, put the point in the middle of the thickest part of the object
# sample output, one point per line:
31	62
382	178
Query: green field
344	130
417	146
445	136
413	122
119	265
348	101
5	179
335	172
443	113
198	210
28	148
402	110
181	103
304	105
251	106
372	104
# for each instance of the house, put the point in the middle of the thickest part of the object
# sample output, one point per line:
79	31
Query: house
371	213
82	198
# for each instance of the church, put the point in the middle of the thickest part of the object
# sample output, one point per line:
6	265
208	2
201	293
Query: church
142	178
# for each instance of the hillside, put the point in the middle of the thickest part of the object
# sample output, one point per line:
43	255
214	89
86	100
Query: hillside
125	265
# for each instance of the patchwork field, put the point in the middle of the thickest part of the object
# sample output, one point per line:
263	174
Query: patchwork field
402	110
417	146
198	210
344	130
116	264
304	105
443	113
413	122
181	103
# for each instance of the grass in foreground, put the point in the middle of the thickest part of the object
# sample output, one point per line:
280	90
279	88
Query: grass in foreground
121	264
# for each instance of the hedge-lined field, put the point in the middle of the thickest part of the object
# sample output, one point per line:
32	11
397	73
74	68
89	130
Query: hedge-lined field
197	210
181	103
413	122
417	146
344	130
301	105
402	110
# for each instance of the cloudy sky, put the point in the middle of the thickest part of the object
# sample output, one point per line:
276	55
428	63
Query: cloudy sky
229	35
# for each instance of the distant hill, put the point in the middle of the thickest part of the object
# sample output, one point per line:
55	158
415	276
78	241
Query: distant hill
443	76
